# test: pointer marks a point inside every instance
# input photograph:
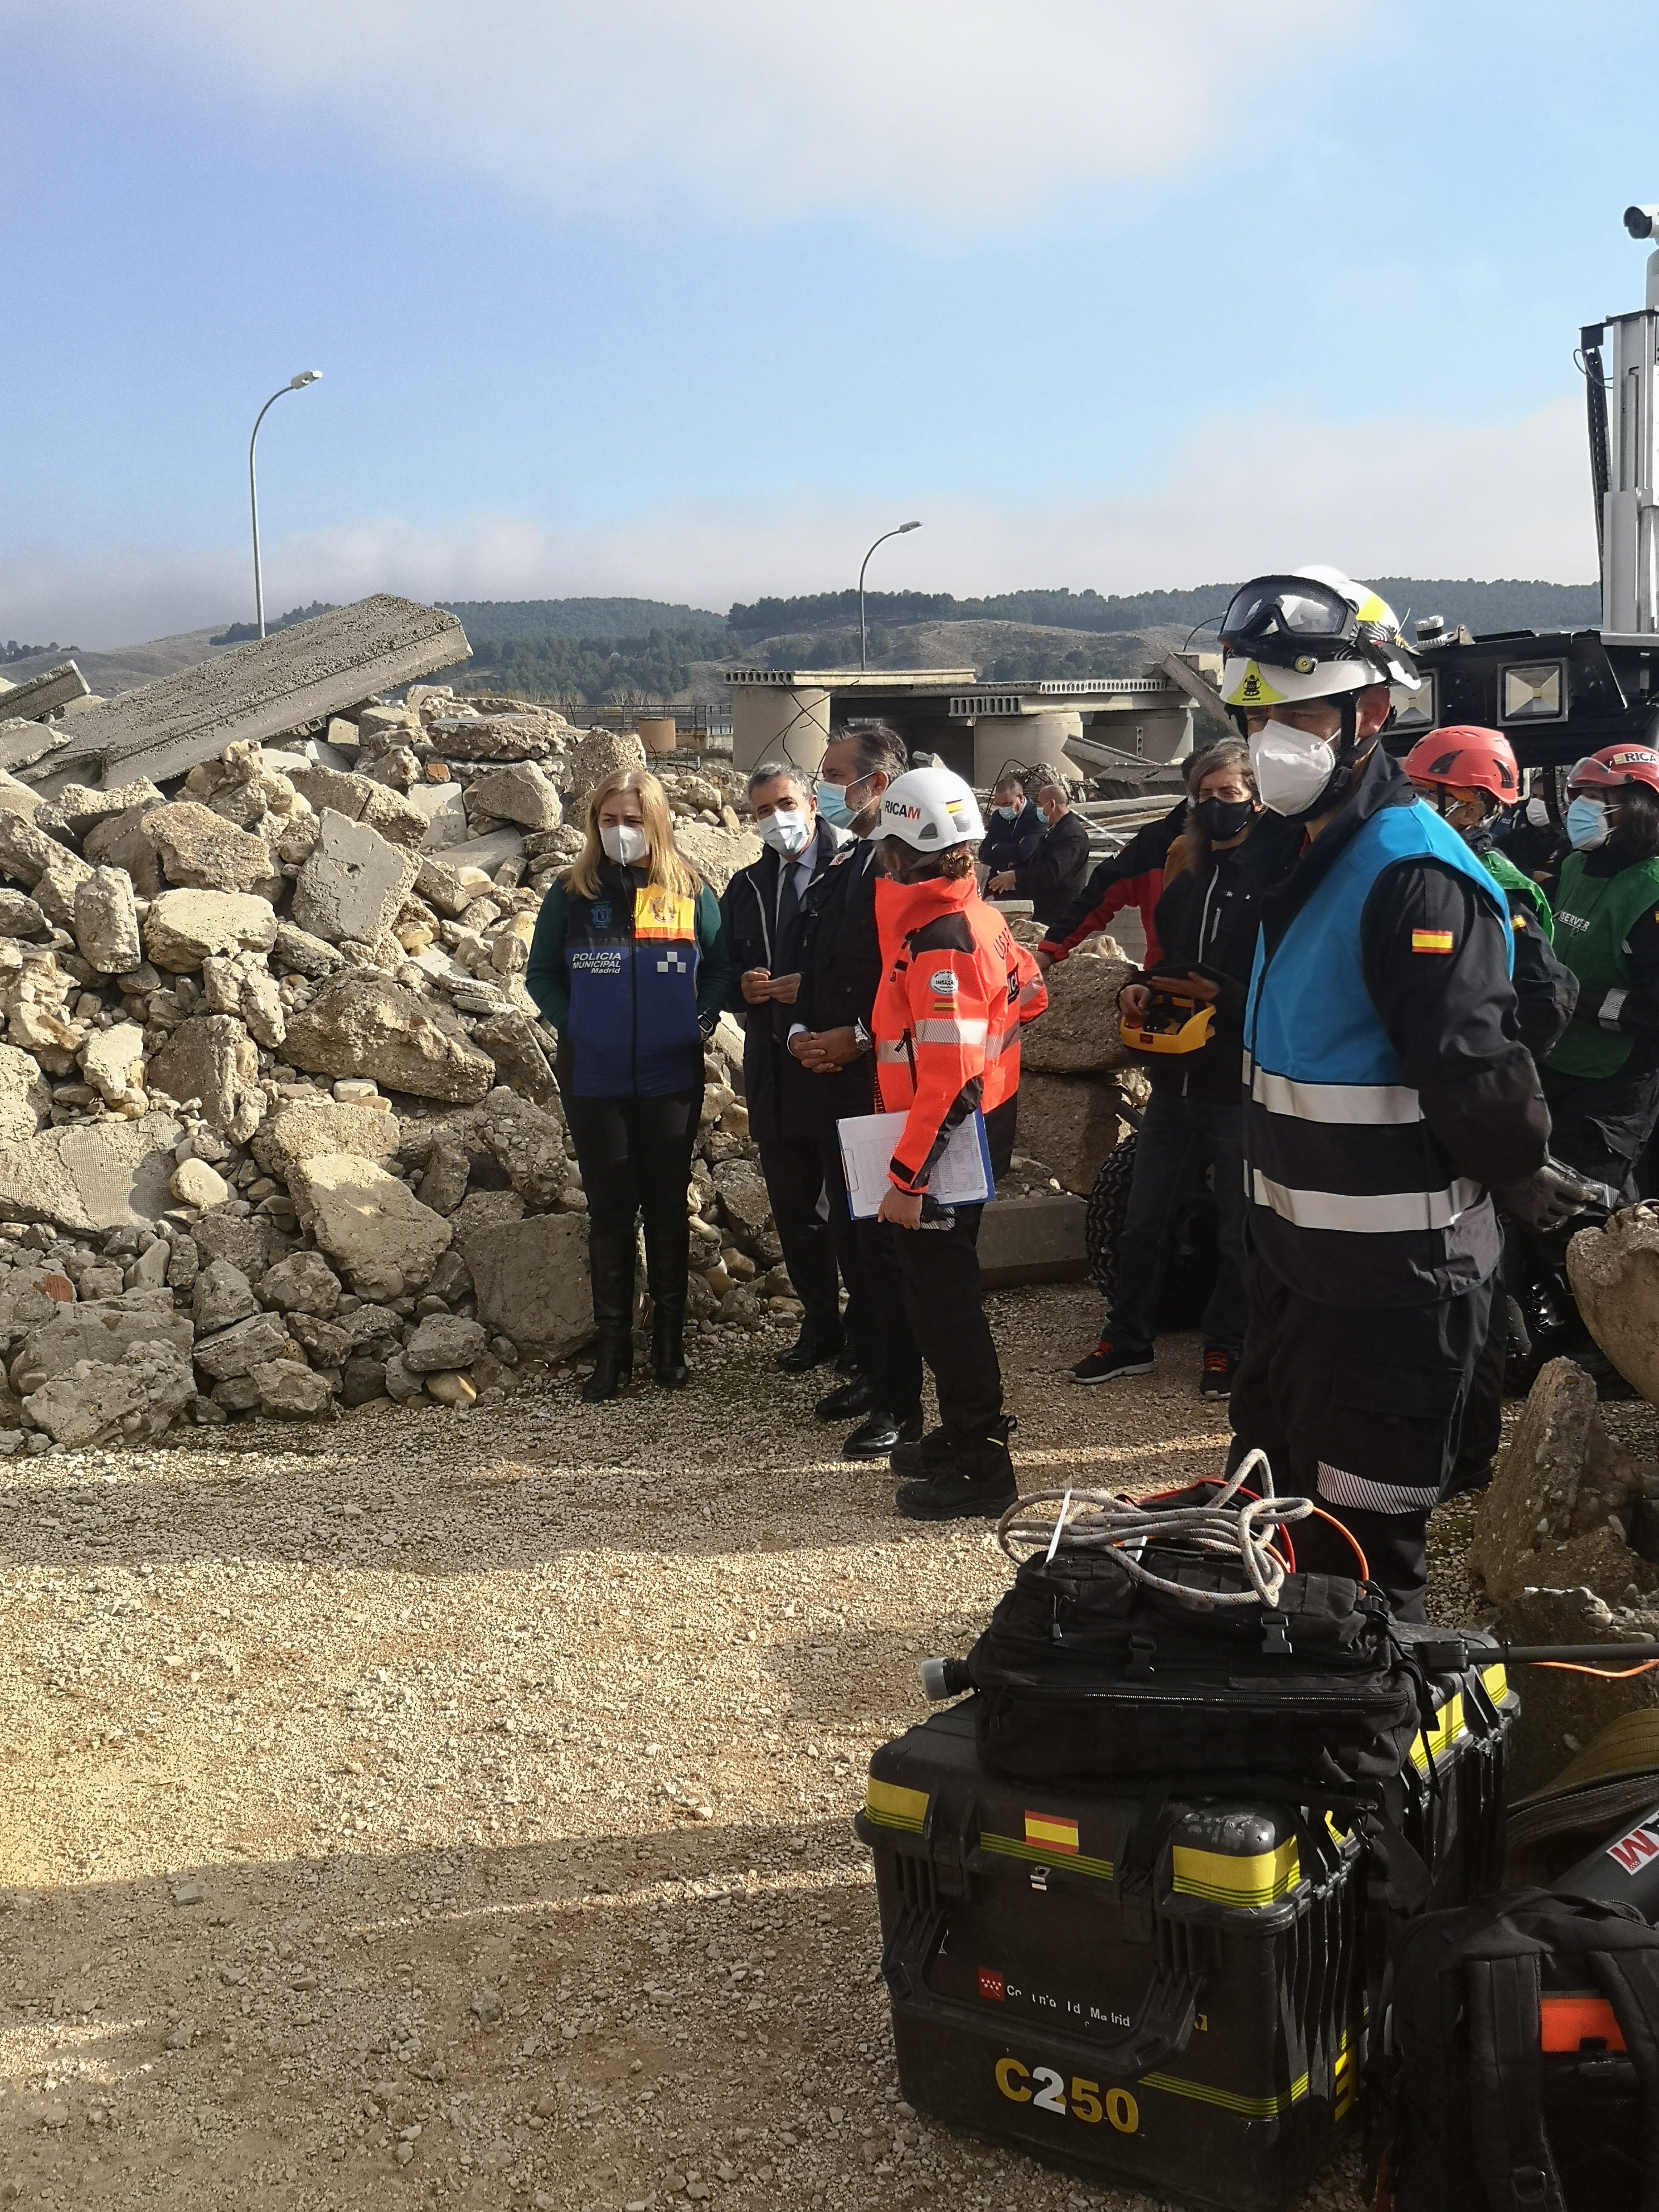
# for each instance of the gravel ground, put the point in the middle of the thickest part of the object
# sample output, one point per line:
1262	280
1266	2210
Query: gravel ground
453	1807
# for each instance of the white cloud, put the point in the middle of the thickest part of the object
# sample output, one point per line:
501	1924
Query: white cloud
959	112
1380	498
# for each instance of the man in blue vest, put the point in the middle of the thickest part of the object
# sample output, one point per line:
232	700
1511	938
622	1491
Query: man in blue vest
1387	1093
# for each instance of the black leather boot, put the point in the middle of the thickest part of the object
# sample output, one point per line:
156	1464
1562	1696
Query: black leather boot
667	1258
611	1270
668	1343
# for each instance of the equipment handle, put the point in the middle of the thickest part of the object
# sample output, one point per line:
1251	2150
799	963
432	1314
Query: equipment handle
1165	2030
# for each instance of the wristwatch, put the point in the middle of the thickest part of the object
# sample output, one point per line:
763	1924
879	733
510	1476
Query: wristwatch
861	1037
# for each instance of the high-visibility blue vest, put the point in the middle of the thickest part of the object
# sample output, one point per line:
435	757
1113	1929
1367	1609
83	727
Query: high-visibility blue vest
1353	1201
632	957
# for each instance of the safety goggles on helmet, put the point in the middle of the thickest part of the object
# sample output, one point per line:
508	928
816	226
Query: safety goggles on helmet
1313	634
1283	619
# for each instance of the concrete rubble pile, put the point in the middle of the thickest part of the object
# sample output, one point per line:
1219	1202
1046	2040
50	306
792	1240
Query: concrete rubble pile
278	1126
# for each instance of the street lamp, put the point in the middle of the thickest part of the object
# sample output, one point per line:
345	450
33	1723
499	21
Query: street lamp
903	528
294	384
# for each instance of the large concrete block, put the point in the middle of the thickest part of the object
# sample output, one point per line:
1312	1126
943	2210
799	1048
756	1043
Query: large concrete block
530	1279
373	1226
1035	1239
211	1057
360	799
102	1329
1614	1273
202	851
355	1025
183	927
1080	1032
354	884
293	680
1069	1122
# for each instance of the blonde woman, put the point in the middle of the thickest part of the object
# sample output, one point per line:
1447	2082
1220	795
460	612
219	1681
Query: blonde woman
629	965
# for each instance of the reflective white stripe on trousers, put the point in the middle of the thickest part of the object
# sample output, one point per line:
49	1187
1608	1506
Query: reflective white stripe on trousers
1376	1102
1384	1214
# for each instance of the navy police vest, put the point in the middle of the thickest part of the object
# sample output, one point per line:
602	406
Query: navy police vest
631	954
1353	1201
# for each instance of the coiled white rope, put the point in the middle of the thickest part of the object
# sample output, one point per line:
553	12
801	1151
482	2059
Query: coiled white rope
1095	1521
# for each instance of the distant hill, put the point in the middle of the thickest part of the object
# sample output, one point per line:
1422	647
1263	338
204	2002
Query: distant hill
584	618
1506	605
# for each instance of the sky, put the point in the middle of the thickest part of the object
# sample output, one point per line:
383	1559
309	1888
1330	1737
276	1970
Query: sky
691	299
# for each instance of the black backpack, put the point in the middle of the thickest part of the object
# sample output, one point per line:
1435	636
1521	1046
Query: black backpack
1083	1671
1521	2070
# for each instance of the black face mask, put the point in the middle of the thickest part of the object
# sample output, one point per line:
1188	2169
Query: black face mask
1223	818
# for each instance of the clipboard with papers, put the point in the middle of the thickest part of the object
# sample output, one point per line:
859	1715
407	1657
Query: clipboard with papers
961	1173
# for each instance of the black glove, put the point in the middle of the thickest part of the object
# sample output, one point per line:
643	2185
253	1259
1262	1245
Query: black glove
1550	1197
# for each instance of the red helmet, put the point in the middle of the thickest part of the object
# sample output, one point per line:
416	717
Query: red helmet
1614	765
1471	759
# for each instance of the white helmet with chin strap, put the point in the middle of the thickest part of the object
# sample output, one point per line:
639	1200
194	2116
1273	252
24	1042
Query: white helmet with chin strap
930	809
1313	634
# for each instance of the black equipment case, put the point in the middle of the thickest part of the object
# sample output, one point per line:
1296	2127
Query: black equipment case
1154	1983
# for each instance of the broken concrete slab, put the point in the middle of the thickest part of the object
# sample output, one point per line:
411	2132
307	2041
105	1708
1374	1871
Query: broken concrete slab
360	799
489	853
114	1175
200	850
354	884
46	694
22	742
293	680
444	810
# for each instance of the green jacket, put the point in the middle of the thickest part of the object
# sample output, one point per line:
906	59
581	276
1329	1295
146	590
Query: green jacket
1593	918
1504	873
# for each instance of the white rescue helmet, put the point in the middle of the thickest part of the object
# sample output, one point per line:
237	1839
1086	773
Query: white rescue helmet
930	809
1313	634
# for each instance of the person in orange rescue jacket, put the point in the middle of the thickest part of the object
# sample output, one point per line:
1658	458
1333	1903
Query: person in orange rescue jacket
955	992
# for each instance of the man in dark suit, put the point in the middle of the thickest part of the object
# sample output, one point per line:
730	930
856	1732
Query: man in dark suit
1056	871
762	915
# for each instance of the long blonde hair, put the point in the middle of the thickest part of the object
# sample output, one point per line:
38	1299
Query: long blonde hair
669	873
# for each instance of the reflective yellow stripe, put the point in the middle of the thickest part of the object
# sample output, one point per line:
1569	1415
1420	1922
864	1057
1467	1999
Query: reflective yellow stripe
894	1806
1225	1878
1038	1856
1249	2108
1497	1681
1449	1725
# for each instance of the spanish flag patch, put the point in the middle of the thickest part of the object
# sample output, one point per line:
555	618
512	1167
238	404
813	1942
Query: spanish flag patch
1431	940
1053	1833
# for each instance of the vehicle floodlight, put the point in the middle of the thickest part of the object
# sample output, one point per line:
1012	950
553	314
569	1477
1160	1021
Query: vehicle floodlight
1642	221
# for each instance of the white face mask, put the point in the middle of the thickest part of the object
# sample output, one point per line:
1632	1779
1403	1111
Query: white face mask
786	830
625	843
1538	814
1292	766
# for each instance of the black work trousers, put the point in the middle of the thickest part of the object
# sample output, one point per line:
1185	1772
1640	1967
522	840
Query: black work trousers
877	1332
793	1169
1600	1126
636	1159
926	1288
1361	1408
